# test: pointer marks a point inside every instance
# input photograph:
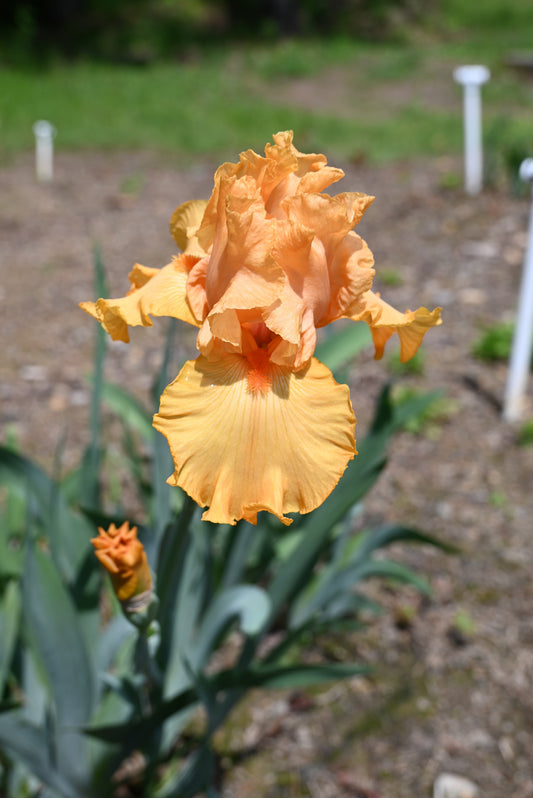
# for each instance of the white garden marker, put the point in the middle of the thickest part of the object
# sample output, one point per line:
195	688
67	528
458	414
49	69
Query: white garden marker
471	79
523	336
44	149
448	785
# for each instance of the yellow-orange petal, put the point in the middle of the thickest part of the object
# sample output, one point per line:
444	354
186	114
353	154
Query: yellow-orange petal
159	292
384	321
184	225
250	436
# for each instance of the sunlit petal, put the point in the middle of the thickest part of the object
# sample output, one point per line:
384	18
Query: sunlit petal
384	321
351	274
248	435
156	292
243	242
184	225
346	261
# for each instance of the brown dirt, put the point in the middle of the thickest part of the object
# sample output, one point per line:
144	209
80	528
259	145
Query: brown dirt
454	674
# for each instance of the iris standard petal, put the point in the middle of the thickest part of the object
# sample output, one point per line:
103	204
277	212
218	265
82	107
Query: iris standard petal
346	261
247	435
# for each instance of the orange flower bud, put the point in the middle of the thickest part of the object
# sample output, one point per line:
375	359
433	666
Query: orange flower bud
122	554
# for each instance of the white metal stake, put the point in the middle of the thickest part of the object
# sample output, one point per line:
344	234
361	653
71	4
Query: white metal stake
523	336
44	133
471	79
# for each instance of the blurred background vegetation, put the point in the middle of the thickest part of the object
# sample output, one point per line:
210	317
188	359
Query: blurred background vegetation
196	77
139	30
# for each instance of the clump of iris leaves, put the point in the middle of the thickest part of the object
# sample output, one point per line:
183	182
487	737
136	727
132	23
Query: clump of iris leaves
82	688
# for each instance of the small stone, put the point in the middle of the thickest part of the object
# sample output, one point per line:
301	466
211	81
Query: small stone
505	745
480	249
448	785
472	296
79	397
33	373
513	256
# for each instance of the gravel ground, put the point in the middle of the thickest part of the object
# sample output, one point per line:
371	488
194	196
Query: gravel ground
452	689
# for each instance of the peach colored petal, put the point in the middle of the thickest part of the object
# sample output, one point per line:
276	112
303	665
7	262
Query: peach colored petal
345	260
251	300
283	170
330	218
351	275
268	171
184	225
356	204
309	172
196	295
384	321
247	435
241	273
319	180
159	292
243	239
284	317
302	258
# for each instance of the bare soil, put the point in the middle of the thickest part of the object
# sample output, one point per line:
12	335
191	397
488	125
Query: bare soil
452	689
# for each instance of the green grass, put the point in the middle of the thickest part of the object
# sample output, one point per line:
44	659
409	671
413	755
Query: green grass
224	99
196	110
491	24
525	433
494	342
210	107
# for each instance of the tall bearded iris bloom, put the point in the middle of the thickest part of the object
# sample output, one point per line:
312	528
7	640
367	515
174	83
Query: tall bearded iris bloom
256	422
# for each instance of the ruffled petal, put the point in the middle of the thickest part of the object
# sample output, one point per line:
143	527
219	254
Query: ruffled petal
184	224
303	260
330	218
247	435
243	241
309	172
351	275
282	171
384	321
346	259
159	292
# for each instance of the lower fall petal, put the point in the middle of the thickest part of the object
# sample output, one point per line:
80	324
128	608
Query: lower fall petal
159	292
251	436
384	321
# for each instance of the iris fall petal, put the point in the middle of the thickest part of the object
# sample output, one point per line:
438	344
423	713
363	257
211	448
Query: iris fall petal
156	292
384	321
273	439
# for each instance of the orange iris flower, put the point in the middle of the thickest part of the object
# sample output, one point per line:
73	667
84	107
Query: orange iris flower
123	555
256	422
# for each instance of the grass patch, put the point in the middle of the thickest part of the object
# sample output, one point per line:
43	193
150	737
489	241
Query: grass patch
430	421
391	277
495	342
212	107
525	433
413	367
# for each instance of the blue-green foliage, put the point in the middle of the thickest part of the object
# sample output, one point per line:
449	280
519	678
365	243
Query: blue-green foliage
81	688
